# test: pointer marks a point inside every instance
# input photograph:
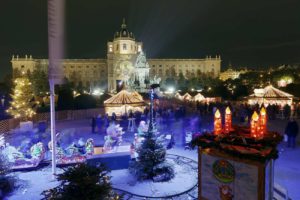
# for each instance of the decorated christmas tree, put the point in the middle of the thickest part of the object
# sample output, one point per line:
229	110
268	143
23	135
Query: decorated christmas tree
22	104
151	161
83	182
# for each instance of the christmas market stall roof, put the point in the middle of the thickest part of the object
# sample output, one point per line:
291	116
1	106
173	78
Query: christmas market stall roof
124	101
270	95
187	96
199	97
178	96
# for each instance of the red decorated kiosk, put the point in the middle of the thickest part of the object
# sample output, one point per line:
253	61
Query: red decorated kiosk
237	162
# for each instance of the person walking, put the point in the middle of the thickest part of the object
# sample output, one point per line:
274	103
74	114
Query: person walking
291	131
106	121
99	122
93	124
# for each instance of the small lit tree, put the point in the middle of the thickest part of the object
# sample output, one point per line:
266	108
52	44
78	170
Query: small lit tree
151	161
22	104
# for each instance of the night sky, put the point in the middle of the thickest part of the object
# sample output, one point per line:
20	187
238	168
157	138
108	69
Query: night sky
253	33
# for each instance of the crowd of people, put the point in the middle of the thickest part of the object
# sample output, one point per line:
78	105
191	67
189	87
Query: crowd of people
167	111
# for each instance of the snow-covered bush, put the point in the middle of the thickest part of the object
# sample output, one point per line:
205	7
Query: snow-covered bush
7	180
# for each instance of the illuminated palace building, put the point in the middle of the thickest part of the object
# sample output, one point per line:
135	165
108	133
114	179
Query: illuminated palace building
126	64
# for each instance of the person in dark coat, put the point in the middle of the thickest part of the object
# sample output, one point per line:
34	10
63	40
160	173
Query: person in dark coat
93	124
113	117
99	122
106	120
291	131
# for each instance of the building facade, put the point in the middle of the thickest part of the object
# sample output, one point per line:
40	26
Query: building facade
126	65
231	74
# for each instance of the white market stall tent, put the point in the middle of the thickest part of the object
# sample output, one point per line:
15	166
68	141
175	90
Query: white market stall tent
199	97
187	97
178	96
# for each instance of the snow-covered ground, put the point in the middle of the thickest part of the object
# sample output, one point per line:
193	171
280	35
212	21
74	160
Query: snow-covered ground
287	167
32	184
184	173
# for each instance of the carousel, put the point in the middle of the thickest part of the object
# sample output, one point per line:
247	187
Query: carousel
123	102
270	96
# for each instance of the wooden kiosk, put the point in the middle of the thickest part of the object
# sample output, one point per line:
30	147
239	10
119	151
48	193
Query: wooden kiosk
236	165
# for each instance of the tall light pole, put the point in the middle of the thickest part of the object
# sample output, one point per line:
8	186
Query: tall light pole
55	72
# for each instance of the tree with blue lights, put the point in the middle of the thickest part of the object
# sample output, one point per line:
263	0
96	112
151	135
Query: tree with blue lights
151	161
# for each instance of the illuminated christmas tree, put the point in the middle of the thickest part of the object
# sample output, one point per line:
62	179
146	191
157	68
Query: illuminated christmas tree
22	104
151	161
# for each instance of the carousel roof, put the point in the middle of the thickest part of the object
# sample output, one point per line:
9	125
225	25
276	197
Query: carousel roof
136	94
124	97
270	92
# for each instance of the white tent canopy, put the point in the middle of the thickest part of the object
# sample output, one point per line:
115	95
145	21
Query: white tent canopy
187	97
199	97
178	96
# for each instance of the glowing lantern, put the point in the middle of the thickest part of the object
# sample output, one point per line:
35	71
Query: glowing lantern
217	123
262	122
228	120
254	124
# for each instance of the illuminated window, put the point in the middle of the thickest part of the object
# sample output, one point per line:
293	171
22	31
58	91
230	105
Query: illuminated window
110	48
139	48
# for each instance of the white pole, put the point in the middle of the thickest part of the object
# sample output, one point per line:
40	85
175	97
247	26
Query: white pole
55	72
53	132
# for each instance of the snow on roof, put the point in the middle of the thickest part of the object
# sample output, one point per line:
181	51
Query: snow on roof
270	92
125	97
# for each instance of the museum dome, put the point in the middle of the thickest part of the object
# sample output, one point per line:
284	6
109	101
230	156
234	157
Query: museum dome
123	32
